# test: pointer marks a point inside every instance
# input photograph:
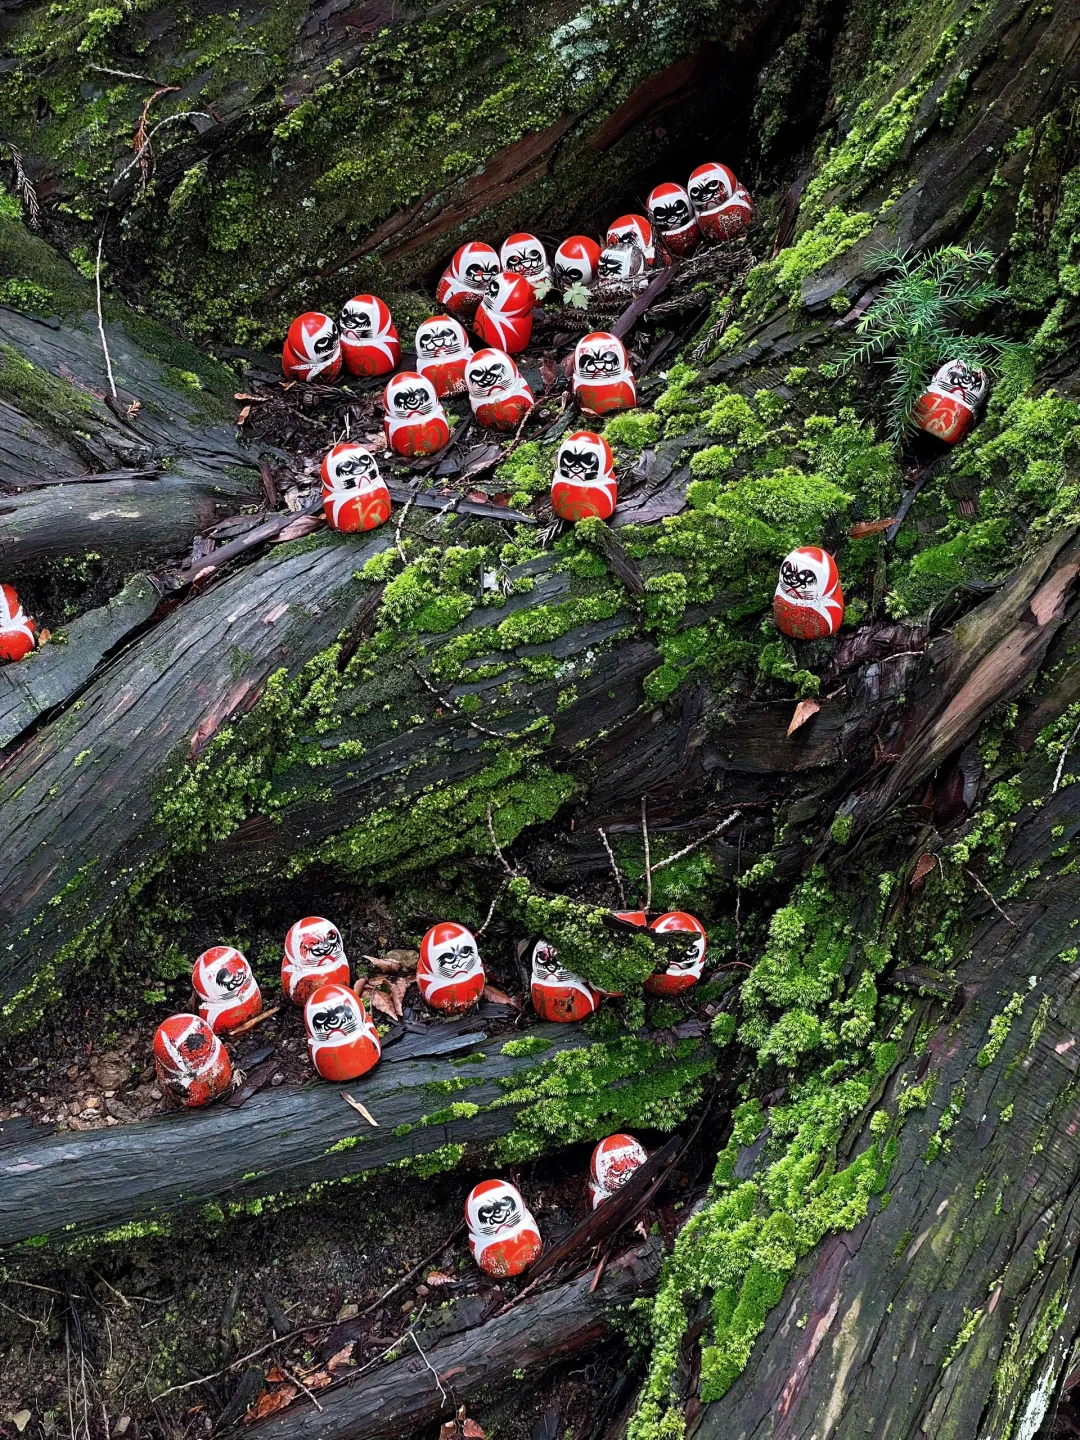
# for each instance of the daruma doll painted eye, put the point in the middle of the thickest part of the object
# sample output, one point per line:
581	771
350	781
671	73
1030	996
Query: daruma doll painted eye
450	973
503	1235
192	1065
314	954
949	405
354	493
584	483
342	1041
685	965
312	348
228	993
809	603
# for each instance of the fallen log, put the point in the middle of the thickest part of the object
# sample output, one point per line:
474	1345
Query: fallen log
279	1142
416	1389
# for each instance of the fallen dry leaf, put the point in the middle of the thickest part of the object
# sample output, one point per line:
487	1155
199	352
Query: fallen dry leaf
383	963
805	710
492	992
269	1401
360	985
360	1109
301	526
448	1431
407	959
862	528
398	989
341	1357
44	636
472	1431
244	413
502	499
435	1278
275	1375
384	1002
317	1379
20	1420
926	863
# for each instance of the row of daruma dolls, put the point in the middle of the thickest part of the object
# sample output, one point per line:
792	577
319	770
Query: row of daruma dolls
193	1065
503	1234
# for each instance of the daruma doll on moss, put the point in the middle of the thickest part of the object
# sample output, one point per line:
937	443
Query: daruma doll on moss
603	380
686	962
584	485
809	603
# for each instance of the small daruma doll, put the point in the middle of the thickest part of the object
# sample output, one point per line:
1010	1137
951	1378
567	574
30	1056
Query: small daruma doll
949	405
498	394
504	320
584	483
603	380
354	494
313	956
710	186
808	603
465	279
619	264
503	1236
557	994
312	348
635	233
672	216
192	1065
686	962
730	218
415	423
369	339
613	1162
525	255
577	262
342	1041
16	627
442	349
450	973
228	992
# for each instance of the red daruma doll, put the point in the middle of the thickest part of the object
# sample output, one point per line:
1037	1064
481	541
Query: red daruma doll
354	494
577	262
503	1236
685	963
808	603
342	1040
16	628
950	402
312	349
228	992
314	955
584	483
603	380
465	279
192	1065
415	423
524	254
634	232
450	973
613	1162
442	350
672	216
558	994
369	341
498	394
504	320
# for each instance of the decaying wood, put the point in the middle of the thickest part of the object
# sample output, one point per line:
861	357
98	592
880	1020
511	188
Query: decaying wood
279	1140
412	1391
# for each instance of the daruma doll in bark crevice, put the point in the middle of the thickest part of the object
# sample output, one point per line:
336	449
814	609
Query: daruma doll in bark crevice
558	995
312	349
685	966
354	494
450	973
503	1235
613	1162
809	603
584	484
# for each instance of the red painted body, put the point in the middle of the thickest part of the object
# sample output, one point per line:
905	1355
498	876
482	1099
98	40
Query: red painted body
415	423
369	338
603	380
584	482
577	262
809	603
342	1041
450	973
498	394
314	955
442	352
192	1065
635	232
524	254
613	1162
503	1235
558	995
465	279
228	993
312	348
730	218
950	403
354	493
16	627
684	972
672	216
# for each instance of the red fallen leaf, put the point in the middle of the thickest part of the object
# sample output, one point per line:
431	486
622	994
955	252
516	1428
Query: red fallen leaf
435	1278
502	499
275	1375
301	526
478	497
548	371
244	413
448	1431
805	710
862	528
360	985
341	1357
269	1401
317	1379
472	1431
492	992
925	864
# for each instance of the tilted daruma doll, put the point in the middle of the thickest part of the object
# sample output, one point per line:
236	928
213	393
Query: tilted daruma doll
227	990
613	1162
354	494
16	627
730	218
634	232
415	422
342	1041
314	955
557	994
603	380
442	350
710	186
809	602
577	262
584	482
465	279
498	394
619	264
312	348
192	1065
684	967
525	255
369	339
504	320
672	217
450	973
503	1236
951	401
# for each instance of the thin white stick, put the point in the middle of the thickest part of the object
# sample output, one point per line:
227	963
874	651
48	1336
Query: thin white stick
427	1362
496	846
1064	753
397	533
309	1393
696	844
648	860
491	908
990	897
615	868
100	321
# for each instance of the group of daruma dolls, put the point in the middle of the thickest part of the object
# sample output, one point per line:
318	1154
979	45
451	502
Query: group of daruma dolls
193	1065
503	1234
